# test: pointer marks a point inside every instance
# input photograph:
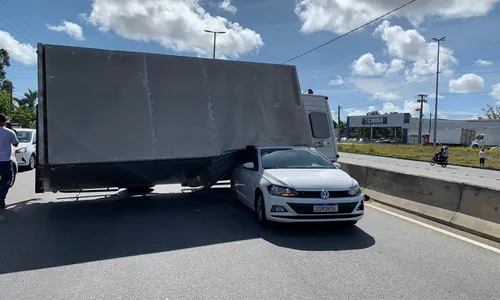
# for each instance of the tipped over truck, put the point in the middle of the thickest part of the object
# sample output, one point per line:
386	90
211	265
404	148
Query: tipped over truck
115	119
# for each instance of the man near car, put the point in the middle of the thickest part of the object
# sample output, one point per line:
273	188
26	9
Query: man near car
7	139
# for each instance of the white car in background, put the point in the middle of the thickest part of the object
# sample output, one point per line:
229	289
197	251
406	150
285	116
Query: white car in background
26	150
295	184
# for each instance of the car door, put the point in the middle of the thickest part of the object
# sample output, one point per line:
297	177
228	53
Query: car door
250	177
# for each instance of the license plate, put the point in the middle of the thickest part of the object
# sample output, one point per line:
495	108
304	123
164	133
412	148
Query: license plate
326	208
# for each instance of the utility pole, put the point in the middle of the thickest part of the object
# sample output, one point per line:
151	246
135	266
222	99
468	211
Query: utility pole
437	90
422	100
430	125
215	37
338	119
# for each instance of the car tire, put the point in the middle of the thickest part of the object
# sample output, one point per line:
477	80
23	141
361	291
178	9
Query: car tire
14	175
260	209
32	162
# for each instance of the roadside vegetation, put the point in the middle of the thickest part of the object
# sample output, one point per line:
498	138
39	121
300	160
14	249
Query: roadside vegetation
458	155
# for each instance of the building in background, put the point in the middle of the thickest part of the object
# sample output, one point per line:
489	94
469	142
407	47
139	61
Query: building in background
404	127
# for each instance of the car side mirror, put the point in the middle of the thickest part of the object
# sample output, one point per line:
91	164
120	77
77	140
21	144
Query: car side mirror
337	165
249	166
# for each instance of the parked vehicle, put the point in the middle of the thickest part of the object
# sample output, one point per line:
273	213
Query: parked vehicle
295	184
452	136
143	119
321	122
491	137
26	150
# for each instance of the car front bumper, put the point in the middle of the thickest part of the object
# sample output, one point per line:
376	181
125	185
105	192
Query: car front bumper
23	159
301	209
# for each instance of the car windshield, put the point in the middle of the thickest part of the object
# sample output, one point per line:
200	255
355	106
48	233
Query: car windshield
291	158
24	136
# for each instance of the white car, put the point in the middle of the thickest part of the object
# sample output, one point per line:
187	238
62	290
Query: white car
26	150
295	184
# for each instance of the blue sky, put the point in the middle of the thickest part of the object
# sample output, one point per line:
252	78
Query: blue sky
383	66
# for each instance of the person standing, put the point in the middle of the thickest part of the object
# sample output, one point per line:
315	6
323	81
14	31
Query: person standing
7	139
482	157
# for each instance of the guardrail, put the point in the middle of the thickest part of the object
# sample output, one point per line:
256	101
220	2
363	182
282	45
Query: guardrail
471	208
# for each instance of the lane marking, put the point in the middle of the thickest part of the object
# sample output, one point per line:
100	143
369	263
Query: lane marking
459	237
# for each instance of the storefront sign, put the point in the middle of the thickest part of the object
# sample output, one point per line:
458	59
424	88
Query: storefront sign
374	121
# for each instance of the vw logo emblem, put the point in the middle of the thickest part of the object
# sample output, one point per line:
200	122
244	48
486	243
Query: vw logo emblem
325	194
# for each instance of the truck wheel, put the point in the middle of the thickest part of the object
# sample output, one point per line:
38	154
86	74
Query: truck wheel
32	162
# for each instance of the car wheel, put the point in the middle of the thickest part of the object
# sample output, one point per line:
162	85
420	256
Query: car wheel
14	175
31	164
260	209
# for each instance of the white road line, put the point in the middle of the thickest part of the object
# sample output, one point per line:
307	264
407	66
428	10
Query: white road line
459	237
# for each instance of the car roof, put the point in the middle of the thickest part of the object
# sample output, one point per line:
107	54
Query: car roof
25	129
283	147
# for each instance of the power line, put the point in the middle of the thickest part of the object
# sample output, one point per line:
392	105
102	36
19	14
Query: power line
19	18
349	32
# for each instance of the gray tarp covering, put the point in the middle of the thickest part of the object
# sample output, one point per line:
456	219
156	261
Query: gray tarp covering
113	106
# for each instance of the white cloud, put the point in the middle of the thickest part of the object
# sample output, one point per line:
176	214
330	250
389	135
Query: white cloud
397	65
73	30
366	65
484	63
495	92
498	103
340	16
177	25
227	6
23	53
468	83
359	112
384	96
337	81
410	45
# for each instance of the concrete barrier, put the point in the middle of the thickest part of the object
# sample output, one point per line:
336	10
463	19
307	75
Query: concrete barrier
472	208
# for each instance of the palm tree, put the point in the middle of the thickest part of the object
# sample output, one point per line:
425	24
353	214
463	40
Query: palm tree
30	98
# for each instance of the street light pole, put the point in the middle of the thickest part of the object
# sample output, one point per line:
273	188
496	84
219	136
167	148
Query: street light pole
215	37
437	90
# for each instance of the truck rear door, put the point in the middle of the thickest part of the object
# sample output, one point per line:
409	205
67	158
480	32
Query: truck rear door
321	122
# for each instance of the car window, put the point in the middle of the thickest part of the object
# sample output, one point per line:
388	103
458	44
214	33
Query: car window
24	136
291	158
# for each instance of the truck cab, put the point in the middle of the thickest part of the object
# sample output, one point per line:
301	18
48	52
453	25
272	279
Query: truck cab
478	142
321	122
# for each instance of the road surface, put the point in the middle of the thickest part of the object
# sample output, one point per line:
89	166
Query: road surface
170	246
480	177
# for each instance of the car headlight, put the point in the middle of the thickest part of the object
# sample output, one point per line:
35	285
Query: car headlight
281	191
355	190
22	150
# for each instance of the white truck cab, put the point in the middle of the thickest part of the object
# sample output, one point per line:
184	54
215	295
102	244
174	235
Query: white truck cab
321	122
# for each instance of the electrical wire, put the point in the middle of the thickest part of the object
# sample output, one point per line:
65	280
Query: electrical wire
349	32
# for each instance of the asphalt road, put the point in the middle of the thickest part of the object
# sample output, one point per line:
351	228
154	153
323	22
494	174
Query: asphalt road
480	177
171	246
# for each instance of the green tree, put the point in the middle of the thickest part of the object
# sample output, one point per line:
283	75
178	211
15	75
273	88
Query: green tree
5	104
492	112
373	113
4	62
29	99
25	116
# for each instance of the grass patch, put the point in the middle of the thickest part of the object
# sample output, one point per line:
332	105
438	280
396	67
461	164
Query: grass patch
457	155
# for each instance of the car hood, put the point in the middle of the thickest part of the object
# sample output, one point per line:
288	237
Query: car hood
308	179
22	145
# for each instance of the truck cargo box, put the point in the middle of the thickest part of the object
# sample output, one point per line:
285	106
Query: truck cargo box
129	115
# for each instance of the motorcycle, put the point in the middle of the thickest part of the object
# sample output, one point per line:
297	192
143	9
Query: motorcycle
443	162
